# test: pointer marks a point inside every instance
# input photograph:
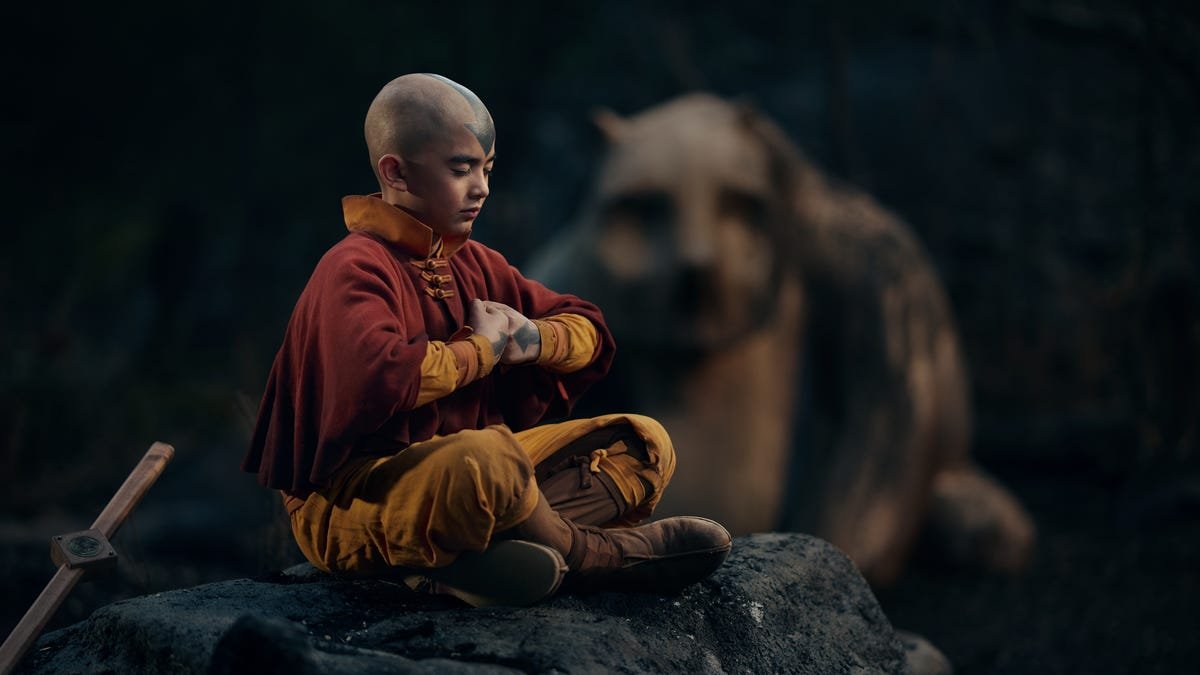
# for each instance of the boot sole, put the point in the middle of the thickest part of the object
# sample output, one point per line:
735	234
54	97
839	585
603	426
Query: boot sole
669	574
666	574
513	572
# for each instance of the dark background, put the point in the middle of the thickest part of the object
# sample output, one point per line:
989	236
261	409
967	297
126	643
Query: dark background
172	174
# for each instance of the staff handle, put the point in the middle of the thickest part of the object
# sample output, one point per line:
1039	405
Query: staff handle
51	598
133	489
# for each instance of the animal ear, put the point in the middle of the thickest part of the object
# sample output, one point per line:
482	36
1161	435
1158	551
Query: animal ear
747	112
611	125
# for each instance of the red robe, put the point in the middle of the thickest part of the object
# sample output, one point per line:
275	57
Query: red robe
346	378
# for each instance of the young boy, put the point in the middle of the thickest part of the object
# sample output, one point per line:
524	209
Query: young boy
400	414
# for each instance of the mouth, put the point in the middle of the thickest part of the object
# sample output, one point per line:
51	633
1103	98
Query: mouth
472	212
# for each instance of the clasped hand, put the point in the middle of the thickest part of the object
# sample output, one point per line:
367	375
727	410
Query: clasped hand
514	338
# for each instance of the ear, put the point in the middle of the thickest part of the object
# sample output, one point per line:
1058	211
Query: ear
611	125
393	173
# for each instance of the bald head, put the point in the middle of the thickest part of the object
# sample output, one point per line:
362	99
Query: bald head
412	110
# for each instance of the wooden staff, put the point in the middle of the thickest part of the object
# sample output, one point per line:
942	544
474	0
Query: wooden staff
77	552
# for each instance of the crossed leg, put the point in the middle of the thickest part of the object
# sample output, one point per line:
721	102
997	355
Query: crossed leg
607	471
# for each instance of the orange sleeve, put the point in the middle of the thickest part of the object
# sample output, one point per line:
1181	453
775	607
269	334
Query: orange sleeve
450	365
569	342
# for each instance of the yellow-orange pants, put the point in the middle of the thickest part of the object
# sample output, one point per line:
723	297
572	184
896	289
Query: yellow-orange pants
424	505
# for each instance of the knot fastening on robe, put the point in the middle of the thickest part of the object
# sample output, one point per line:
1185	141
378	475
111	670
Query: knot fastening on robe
436	281
439	278
429	264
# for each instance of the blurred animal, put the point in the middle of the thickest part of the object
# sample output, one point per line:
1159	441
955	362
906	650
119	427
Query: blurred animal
792	336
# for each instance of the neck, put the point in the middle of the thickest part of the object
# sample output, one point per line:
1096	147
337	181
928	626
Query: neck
395	198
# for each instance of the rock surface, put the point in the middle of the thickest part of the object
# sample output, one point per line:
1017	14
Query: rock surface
781	603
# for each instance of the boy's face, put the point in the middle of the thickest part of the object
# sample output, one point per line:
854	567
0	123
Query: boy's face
448	181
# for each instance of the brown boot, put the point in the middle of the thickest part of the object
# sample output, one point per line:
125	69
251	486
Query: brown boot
661	557
518	573
510	572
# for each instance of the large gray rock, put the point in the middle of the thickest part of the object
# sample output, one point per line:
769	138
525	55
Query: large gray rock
781	603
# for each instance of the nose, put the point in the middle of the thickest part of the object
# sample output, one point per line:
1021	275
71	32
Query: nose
697	247
479	187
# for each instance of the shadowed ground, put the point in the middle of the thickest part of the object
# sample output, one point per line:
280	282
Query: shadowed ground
781	603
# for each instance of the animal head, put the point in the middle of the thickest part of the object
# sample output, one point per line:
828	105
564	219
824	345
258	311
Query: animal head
691	224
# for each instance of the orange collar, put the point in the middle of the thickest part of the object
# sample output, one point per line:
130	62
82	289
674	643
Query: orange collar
369	213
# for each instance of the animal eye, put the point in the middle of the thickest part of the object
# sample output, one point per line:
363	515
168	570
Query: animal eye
650	210
740	206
